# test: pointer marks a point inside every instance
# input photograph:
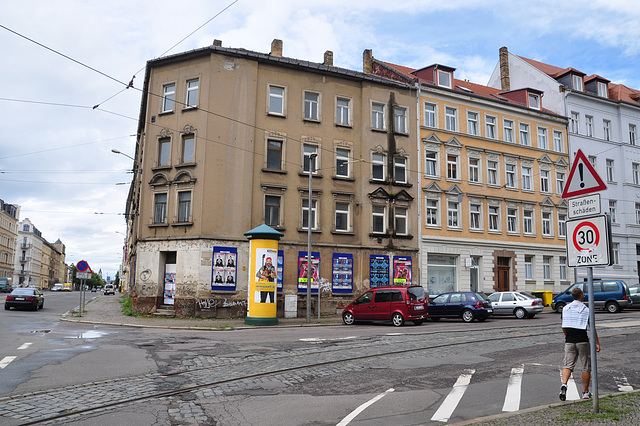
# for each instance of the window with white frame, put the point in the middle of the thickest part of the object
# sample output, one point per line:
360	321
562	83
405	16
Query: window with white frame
343	213
635	173
559	182
272	210
602	90
400	119
305	213
490	126
400	169
431	165
544	181
378	215
342	162
546	267
492	172
577	82
343	111
307	162
574	122
562	261
474	216
312	106
164	152
429	114
562	225
534	101
527	222
494	215
168	97
472	123
451	119
184	206
588	122
377	116
524	134
276	100
452	214
637	213
528	267
546	224
192	93
160	208
507	130
526	178
512	220
474	170
444	78
187	149
558	144
510	175
378	166
452	166
613	211
401	221
609	165
632	134
542	138
432	211
593	160
274	154
615	252
606	126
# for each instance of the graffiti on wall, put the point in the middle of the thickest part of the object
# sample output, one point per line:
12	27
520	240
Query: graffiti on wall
220	303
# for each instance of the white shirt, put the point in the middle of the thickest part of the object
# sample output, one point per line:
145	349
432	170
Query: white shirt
575	315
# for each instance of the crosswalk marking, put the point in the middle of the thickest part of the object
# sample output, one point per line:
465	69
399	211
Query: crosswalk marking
623	383
361	408
512	398
24	346
572	389
6	361
452	400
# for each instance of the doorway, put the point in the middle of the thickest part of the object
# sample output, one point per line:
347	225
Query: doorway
503	274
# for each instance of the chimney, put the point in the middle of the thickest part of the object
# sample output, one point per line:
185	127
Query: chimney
217	43
328	58
505	82
367	61
276	48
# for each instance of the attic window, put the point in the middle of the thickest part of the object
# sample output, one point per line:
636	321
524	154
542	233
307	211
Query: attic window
602	89
444	79
534	101
577	82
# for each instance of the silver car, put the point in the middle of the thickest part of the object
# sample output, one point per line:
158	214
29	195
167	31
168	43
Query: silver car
522	305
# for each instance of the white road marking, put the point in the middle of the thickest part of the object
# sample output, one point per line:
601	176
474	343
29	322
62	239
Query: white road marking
619	324
452	400
512	398
572	388
25	346
623	383
318	339
361	408
6	361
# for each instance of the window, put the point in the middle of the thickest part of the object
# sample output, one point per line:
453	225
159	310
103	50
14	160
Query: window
512	220
192	93
472	123
452	166
474	170
635	173
187	149
378	216
164	152
342	217
546	223
510	175
563	267
577	82
378	162
160	209
401	221
527	222
444	79
546	267
526	178
429	115
490	127
602	89
558	144
431	166
562	225
184	206
544	181
276	100
508	130
613	210
606	126
559	183
592	159
451	119
343	111
542	138
610	176
632	134
524	134
528	267
534	101
574	125
400	169
342	162
638	214
274	154
431	217
312	106
400	119
307	162
494	214
305	213
588	125
452	214
492	172
615	251
272	210
168	96
377	116
474	216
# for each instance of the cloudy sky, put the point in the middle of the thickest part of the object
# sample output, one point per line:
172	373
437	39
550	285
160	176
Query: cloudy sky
61	58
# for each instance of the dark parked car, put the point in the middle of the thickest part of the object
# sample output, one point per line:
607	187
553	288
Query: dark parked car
25	298
466	305
634	293
521	305
395	304
612	295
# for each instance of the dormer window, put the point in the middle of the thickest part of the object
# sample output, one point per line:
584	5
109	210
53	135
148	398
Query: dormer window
602	89
534	101
444	79
577	82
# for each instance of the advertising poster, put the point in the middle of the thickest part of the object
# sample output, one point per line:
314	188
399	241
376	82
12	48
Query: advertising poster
280	269
224	271
305	273
378	270
402	270
169	284
266	275
342	273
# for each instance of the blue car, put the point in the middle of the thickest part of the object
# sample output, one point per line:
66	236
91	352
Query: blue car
467	305
611	295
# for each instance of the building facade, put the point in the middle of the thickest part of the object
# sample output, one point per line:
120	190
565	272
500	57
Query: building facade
228	139
9	217
37	262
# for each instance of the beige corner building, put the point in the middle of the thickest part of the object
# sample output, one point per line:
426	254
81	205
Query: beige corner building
9	217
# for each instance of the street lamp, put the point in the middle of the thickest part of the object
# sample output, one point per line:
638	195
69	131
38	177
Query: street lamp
312	162
115	151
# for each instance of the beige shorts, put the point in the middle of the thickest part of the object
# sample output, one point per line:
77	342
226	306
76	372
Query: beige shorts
575	351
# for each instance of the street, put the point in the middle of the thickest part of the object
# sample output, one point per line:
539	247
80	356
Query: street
369	374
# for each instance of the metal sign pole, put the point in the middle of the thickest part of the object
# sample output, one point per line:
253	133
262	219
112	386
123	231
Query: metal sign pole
592	341
80	307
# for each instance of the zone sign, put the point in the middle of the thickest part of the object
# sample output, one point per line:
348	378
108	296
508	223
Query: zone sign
588	241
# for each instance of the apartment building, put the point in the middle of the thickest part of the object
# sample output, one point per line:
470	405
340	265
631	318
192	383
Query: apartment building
493	167
227	140
604	119
9	217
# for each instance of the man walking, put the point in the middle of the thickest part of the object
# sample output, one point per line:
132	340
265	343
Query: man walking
575	319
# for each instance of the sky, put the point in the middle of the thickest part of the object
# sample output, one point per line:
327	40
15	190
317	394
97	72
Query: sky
62	58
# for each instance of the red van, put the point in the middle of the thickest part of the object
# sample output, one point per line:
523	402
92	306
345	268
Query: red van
395	304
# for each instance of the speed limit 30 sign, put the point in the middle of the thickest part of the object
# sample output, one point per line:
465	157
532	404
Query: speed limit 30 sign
588	241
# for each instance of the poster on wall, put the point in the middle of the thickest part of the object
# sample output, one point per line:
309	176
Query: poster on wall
378	270
342	273
169	284
280	269
402	270
225	266
304	272
266	275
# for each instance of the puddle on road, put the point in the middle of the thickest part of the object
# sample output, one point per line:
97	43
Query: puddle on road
91	334
41	331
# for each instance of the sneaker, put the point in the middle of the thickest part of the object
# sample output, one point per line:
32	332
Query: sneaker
563	392
586	395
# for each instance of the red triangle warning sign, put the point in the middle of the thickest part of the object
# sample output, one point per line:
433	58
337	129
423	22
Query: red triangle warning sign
583	178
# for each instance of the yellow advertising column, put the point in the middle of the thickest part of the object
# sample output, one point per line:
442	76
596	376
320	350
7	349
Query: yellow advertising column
261	290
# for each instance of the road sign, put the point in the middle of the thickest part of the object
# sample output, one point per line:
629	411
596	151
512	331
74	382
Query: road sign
83	266
588	241
589	205
583	178
83	275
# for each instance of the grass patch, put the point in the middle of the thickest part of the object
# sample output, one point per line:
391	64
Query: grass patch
126	304
612	408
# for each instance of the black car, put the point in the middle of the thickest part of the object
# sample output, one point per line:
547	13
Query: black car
467	305
25	298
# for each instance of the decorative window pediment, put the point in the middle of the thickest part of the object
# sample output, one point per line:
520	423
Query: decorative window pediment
432	138
159	179
432	187
403	196
547	202
380	194
454	190
453	141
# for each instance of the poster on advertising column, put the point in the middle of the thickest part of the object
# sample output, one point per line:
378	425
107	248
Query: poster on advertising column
280	269
342	273
378	270
402	270
224	270
304	273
